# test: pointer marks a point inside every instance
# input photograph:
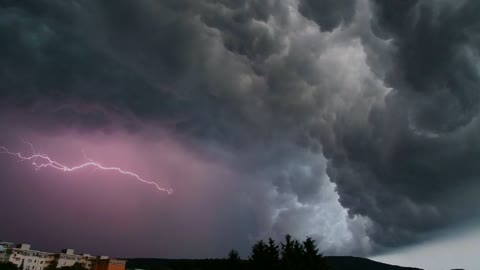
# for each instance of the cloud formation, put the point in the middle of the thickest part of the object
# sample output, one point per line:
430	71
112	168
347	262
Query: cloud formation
353	121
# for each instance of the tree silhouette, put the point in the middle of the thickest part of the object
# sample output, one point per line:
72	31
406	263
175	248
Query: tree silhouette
301	255
233	256
265	256
273	252
311	257
259	255
291	253
8	266
233	260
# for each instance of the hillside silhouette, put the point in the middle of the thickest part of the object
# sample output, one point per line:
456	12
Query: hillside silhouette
335	263
356	263
290	254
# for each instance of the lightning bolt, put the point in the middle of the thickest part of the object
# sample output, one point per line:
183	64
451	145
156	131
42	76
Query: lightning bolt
40	161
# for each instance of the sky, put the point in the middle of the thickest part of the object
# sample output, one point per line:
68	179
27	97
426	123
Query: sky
439	252
351	121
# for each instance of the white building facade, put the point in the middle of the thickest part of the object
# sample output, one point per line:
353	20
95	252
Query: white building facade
68	258
27	259
22	256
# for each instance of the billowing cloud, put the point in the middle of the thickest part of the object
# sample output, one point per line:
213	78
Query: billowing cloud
417	154
352	121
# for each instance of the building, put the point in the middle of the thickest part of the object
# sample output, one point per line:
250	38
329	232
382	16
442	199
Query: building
68	258
22	256
88	261
104	263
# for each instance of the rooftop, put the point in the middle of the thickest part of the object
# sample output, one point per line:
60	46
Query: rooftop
68	253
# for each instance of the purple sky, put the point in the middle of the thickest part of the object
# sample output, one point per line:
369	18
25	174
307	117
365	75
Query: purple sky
102	212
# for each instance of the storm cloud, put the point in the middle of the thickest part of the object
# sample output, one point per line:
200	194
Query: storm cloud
355	122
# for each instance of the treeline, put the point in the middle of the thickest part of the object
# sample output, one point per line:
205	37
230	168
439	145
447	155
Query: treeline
289	254
7	266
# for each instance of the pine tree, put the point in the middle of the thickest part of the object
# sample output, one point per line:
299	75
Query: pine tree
233	256
233	260
273	253
259	255
8	266
289	256
312	258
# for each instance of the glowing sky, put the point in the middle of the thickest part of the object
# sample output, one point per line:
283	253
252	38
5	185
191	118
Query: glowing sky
351	121
453	250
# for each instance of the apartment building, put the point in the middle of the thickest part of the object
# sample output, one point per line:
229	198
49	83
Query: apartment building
68	258
104	263
22	256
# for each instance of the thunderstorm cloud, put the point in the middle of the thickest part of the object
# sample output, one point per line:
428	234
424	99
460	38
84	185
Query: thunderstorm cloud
353	121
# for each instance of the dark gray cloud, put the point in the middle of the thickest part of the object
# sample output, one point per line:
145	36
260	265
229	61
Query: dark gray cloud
328	14
405	168
437	43
323	106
